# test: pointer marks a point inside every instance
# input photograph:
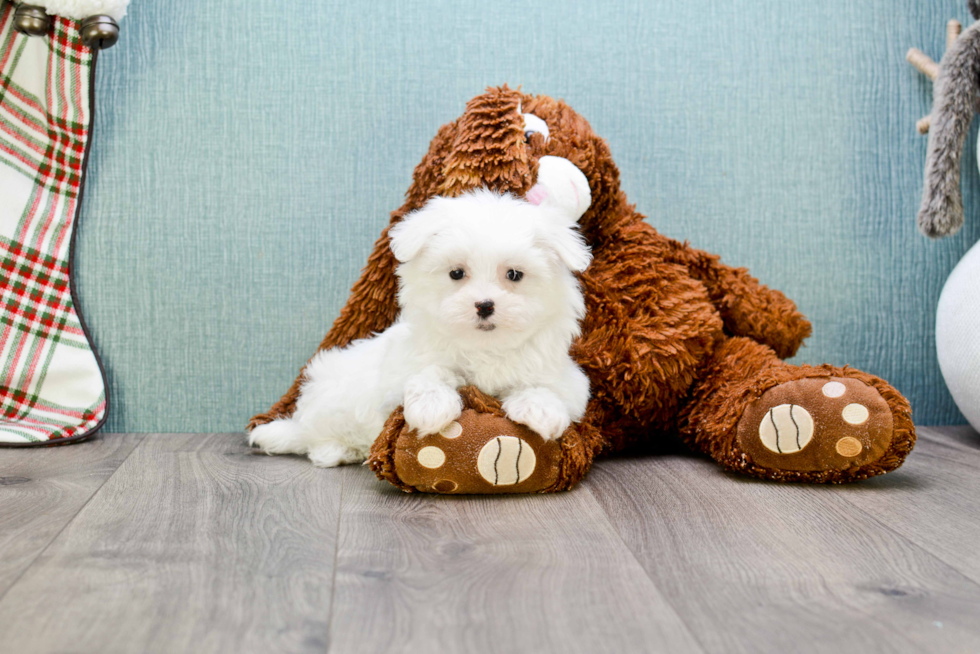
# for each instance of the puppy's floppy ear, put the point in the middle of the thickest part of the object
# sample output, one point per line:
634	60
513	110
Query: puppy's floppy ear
566	242
409	236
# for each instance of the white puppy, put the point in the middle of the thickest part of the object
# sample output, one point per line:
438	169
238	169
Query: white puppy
488	297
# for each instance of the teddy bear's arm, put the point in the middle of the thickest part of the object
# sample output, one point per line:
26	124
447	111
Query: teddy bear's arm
747	308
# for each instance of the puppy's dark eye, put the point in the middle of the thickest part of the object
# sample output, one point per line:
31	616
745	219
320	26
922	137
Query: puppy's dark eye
457	274
527	136
514	275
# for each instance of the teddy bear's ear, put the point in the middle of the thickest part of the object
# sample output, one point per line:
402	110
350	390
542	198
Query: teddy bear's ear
564	241
408	237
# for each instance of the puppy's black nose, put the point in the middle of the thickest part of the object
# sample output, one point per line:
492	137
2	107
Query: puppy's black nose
484	309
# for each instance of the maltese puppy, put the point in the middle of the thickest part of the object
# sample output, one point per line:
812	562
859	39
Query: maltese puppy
488	298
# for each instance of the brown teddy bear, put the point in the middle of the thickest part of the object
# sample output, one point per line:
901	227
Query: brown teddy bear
673	340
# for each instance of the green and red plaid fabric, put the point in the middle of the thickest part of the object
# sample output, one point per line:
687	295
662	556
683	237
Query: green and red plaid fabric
51	384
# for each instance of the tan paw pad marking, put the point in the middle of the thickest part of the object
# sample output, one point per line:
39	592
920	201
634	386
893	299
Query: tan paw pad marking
849	446
445	486
855	414
505	461
452	430
786	428
431	457
834	389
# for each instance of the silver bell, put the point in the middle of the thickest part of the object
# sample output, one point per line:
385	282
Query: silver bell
99	32
31	20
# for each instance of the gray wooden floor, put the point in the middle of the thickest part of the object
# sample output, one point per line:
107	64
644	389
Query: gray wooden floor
190	543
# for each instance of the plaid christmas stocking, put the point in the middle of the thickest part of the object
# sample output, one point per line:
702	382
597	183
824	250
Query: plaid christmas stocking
52	387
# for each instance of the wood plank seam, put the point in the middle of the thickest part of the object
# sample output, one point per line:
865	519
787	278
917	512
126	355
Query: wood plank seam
926	553
612	526
336	558
936	441
960	582
142	439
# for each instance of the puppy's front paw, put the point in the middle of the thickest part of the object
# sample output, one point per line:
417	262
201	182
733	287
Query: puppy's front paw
539	409
430	409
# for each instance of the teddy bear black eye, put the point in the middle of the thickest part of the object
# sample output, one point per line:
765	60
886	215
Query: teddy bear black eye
456	274
534	125
514	275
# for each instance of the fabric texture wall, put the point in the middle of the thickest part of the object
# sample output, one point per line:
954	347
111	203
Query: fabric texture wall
247	155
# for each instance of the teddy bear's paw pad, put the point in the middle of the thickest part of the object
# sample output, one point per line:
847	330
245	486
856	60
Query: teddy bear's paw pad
506	460
477	453
815	425
783	431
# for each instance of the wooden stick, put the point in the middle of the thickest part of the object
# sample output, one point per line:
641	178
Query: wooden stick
923	124
953	29
922	62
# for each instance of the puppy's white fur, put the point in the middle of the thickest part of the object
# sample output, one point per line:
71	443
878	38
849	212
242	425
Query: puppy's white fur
440	342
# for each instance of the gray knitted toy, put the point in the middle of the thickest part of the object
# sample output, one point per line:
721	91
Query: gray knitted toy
956	92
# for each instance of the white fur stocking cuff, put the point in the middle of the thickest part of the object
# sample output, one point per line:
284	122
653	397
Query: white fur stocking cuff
79	9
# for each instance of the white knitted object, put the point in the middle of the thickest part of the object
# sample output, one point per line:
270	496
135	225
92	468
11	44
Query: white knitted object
561	185
958	335
79	9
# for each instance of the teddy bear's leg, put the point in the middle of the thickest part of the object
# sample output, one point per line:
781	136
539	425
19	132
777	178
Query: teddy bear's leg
484	452
758	415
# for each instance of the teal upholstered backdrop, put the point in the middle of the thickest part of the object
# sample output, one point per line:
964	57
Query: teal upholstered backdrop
247	155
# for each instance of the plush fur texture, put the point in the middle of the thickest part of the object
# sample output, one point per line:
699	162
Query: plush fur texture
955	98
974	7
488	297
79	9
672	340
